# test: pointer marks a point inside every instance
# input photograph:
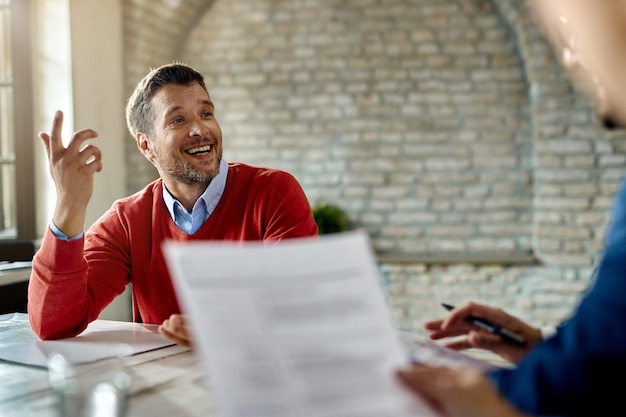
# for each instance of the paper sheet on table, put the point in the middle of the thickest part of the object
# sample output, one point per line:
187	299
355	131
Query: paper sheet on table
298	328
425	351
102	339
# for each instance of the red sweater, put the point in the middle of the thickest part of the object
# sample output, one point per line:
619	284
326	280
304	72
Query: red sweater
73	281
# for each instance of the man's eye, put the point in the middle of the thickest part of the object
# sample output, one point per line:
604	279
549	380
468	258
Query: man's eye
178	120
207	114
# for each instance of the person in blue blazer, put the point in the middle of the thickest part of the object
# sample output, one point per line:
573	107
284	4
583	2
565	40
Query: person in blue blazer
577	369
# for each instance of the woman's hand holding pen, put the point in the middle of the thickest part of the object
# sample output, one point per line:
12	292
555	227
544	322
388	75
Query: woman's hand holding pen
458	323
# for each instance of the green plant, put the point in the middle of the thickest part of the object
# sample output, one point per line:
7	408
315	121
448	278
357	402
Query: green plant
330	218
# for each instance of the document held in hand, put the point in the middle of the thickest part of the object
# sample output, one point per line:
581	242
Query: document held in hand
294	328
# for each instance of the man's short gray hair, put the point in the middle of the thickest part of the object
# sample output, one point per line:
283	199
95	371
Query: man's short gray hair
139	112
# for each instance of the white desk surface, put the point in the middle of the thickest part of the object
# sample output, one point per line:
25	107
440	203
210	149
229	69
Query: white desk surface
168	382
165	382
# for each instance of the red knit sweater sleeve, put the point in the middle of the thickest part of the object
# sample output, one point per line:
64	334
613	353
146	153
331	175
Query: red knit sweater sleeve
50	293
73	281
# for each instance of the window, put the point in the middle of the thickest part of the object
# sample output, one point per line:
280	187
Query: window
17	176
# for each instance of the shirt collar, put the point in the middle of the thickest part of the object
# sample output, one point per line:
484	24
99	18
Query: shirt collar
211	195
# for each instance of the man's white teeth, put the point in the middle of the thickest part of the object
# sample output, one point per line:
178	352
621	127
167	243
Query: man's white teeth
201	149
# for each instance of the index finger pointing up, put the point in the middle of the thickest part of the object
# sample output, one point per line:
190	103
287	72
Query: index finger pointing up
56	142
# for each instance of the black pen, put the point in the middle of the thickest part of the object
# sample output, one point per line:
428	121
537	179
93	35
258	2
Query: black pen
505	334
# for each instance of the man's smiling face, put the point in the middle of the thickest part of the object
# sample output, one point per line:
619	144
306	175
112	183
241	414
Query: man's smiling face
186	142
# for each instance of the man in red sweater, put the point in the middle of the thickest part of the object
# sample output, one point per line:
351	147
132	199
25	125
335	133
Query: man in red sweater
76	274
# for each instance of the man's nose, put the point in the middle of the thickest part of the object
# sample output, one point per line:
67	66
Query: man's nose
197	128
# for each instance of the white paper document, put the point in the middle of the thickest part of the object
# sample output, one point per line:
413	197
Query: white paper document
297	328
102	339
427	352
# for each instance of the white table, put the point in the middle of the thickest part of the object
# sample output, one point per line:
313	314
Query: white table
165	382
169	381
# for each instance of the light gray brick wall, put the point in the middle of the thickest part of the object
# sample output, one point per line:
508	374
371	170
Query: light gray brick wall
441	126
380	104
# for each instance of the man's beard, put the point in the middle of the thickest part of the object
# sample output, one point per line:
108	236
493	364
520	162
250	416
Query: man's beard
185	172
188	174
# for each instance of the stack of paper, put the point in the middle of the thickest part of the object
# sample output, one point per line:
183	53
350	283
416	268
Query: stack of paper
102	339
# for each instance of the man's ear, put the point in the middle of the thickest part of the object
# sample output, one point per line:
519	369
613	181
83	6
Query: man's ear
145	146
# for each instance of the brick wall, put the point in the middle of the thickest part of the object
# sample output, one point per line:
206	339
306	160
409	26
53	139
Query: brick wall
443	127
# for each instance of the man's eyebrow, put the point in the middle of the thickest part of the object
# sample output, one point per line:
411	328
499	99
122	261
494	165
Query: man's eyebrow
174	109
171	110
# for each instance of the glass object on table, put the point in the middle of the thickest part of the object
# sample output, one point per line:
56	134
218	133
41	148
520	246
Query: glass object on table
96	389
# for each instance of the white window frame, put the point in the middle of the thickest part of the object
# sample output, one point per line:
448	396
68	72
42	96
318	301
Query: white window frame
23	220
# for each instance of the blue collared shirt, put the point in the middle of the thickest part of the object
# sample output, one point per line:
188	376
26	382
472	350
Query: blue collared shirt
188	222
204	206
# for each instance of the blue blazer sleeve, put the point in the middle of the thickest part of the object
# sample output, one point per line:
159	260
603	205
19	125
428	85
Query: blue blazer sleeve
577	372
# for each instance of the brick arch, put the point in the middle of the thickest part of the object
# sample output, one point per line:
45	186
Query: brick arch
155	31
540	68
523	30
